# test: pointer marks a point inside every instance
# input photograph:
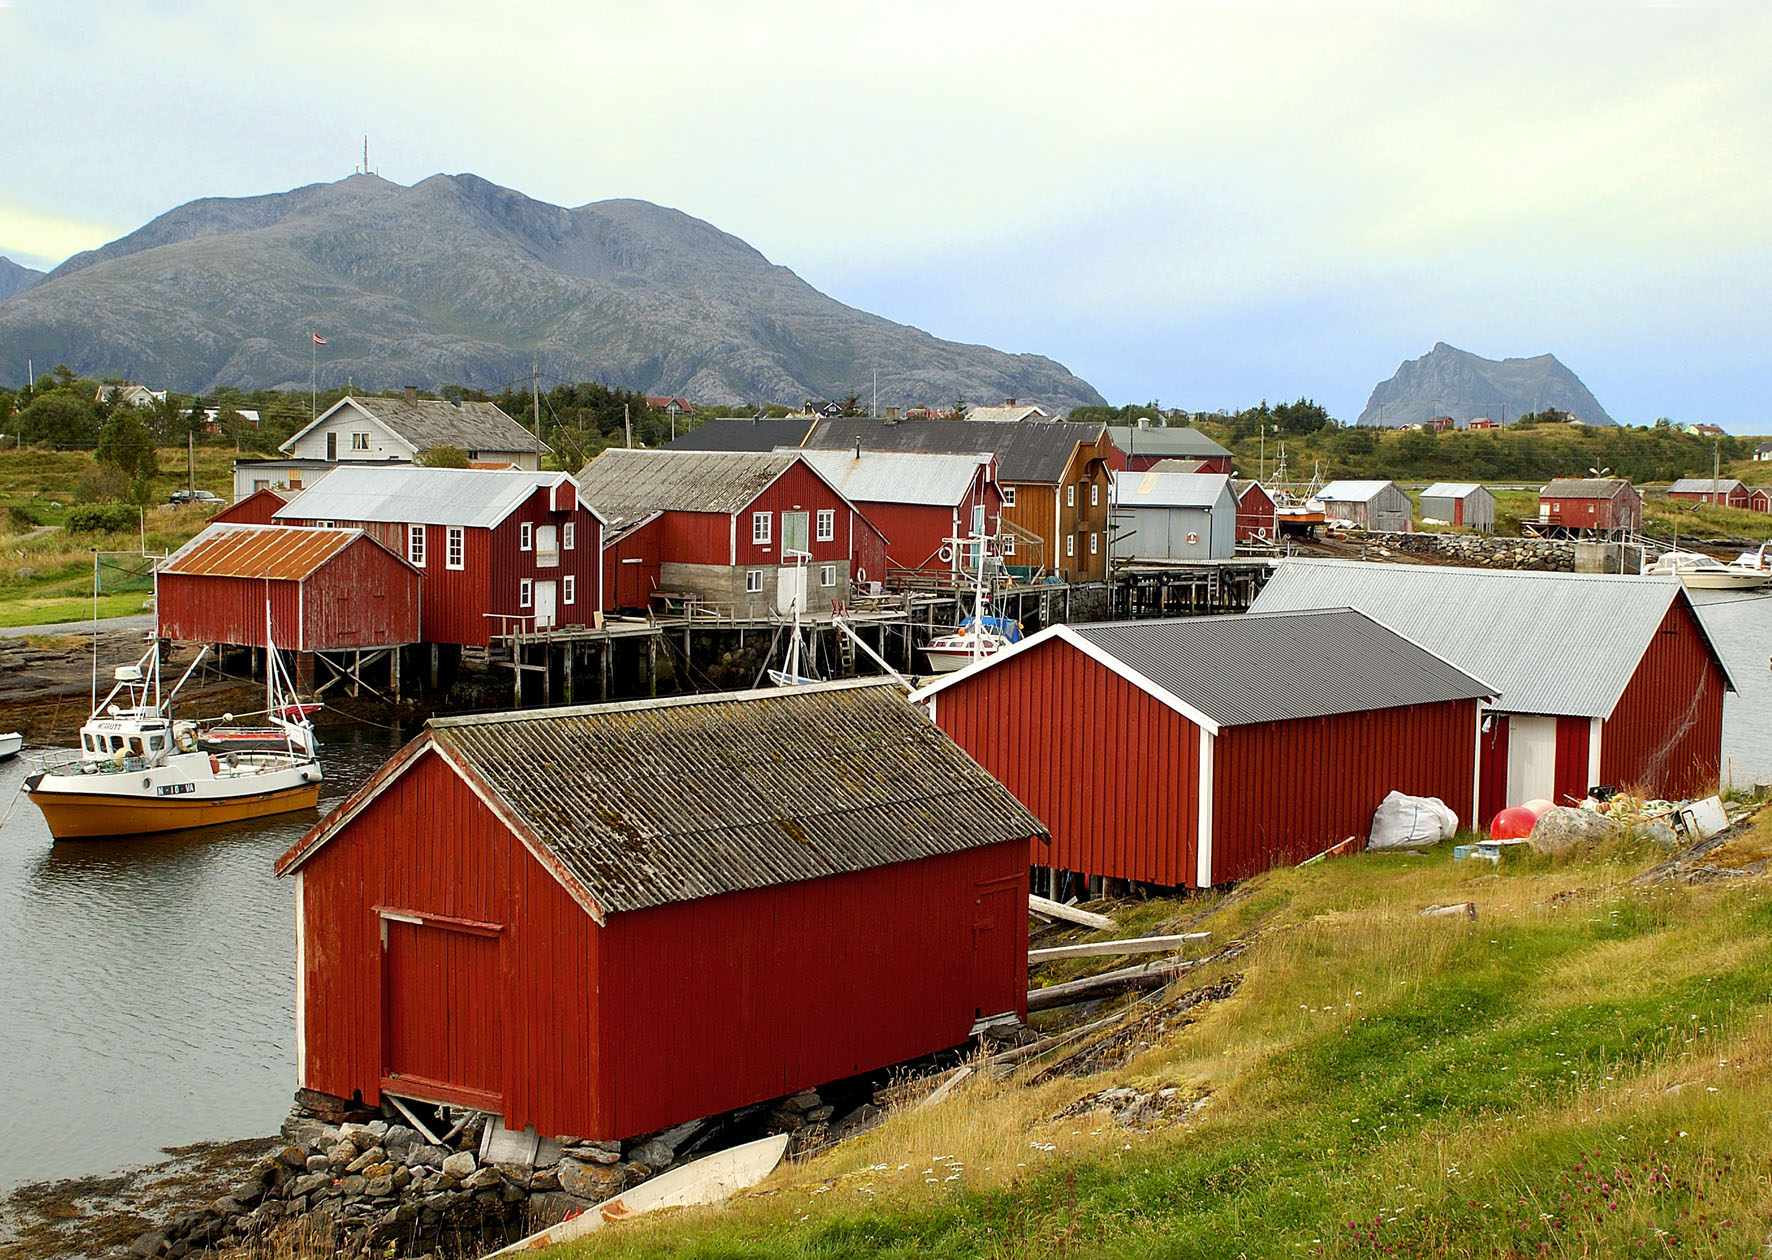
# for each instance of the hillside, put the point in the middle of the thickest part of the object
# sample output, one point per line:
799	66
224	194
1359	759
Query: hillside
1580	1070
457	280
1448	381
15	279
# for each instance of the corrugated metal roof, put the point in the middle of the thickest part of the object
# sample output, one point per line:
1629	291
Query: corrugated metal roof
1451	490
1028	451
898	476
428	422
281	552
1705	485
672	800
1564	643
1179	440
1157	488
476	497
624	484
1353	491
743	435
1583	488
1248	668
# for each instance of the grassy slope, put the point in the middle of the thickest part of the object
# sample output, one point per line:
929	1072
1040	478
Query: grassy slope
1582	1071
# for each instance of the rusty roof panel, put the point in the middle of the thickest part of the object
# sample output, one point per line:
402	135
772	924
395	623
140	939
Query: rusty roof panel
283	552
664	801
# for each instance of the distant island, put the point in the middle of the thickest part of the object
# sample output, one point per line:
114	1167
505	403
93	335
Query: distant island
1448	381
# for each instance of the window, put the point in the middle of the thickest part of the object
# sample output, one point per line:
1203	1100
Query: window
415	544
1070	545
525	593
568	589
1092	547
1094	494
1008	496
455	548
753	581
322	524
827	576
359	441
827	524
978	518
760	533
1070	496
1008	543
526	537
568	536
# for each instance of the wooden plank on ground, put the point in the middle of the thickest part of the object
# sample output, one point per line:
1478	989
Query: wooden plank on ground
1070	914
1127	945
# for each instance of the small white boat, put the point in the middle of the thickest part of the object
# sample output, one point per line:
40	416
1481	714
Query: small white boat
10	743
707	1180
1700	572
972	642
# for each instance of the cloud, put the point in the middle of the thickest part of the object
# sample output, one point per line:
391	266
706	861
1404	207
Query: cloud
38	239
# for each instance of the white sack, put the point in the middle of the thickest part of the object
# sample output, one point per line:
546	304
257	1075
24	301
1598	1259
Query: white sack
1411	822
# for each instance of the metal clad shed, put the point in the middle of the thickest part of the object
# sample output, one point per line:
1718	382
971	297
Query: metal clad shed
606	920
1459	503
1203	749
329	589
1161	515
1602	680
1376	505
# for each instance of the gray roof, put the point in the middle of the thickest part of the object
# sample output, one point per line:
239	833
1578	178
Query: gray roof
623	484
1584	488
743	435
429	422
1177	441
1451	490
402	493
1156	488
671	800
1354	491
1570	649
1248	668
1705	485
898	476
1028	451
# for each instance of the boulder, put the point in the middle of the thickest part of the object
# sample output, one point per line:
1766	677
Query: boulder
594	1182
594	1152
427	1156
400	1138
654	1154
460	1165
1561	829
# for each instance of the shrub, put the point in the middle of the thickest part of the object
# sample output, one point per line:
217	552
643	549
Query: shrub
21	518
101	518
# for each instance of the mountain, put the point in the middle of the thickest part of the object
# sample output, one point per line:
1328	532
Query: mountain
1448	381
15	279
456	280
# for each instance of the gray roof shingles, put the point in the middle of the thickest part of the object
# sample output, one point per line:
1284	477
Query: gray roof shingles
1026	451
625	484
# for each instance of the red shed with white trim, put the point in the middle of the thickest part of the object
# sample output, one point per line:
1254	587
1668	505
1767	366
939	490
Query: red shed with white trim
257	508
1193	751
1258	519
500	549
605	920
919	500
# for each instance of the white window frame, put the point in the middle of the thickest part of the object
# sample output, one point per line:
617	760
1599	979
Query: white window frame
827	524
526	536
526	593
753	581
1070	495
455	548
1008	543
359	441
1070	546
827	575
569	589
415	545
1008	496
568	536
1095	494
762	529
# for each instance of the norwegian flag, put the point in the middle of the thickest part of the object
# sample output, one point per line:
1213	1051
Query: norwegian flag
318	339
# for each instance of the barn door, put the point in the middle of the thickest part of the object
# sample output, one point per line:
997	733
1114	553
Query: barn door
998	961
441	1031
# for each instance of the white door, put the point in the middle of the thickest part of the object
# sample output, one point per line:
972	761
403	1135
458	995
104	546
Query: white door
790	588
544	605
1531	758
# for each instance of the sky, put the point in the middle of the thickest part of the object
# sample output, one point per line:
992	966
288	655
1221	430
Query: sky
1202	204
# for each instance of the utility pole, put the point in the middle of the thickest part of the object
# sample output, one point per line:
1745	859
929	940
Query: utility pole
874	407
535	402
191	461
627	425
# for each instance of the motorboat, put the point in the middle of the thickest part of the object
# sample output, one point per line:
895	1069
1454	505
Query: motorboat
978	636
1700	572
10	743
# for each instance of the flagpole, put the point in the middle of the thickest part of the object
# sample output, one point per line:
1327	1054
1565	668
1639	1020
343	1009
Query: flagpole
313	360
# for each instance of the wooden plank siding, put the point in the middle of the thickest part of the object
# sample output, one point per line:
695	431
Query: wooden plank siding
1666	732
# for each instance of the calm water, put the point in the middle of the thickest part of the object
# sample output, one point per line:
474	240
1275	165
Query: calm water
147	993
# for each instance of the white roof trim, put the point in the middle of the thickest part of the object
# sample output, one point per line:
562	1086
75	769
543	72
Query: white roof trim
1061	631
353	401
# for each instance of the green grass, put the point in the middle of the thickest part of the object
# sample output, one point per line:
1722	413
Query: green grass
1581	1071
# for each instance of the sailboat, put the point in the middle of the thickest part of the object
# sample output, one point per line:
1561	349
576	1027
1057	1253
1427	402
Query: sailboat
979	636
137	770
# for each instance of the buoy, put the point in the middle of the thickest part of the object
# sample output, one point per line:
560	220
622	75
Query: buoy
1539	806
1513	823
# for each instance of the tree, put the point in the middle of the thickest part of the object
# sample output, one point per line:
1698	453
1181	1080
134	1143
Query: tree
126	445
1303	416
960	410
442	457
852	406
60	417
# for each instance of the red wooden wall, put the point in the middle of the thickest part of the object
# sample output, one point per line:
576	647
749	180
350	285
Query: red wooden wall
799	489
1112	771
914	532
631	567
1666	732
1492	747
256	508
1256	519
1284	791
1569	775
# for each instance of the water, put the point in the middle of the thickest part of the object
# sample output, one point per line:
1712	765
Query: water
147	985
1741	626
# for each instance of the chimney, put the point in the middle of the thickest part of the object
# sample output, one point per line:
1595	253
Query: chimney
1009	402
412	393
892	413
858	448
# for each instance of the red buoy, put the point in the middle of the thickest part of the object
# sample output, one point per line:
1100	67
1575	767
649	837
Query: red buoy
1512	823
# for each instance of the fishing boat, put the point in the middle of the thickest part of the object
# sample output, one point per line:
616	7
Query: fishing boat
1700	572
10	743
978	636
139	771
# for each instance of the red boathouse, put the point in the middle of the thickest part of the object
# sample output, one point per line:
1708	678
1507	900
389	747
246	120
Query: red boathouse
1193	751
605	920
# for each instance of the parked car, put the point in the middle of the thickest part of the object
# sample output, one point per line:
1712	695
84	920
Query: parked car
194	496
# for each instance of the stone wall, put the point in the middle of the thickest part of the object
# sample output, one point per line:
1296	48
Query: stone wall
1485	551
